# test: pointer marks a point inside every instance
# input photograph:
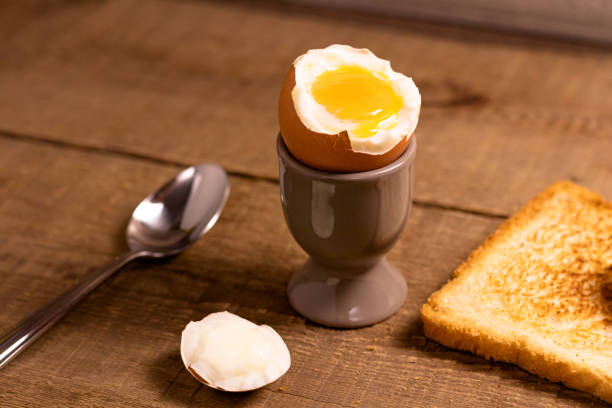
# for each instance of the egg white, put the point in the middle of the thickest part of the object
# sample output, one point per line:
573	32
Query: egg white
233	354
316	118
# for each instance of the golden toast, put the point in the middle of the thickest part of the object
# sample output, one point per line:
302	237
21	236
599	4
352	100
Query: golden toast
538	292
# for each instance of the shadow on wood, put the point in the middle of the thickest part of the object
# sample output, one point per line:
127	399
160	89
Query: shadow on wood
177	387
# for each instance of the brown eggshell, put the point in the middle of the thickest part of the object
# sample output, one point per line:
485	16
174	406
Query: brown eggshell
323	151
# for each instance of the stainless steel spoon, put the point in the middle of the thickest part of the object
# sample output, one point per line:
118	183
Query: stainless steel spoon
163	224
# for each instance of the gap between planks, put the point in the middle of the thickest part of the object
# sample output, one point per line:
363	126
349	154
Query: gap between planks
8	134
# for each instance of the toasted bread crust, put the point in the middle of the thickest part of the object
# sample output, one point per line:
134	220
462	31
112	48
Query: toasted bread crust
570	341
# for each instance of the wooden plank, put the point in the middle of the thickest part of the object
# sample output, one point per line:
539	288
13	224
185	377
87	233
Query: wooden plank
62	212
588	20
189	82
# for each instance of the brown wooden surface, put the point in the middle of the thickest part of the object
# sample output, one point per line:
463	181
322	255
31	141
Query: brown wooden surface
562	19
102	101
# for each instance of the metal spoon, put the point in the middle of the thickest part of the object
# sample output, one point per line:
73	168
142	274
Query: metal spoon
165	223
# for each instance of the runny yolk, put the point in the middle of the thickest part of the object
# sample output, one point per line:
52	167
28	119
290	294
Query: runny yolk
358	95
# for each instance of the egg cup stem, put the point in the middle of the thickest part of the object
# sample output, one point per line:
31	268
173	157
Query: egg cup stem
346	222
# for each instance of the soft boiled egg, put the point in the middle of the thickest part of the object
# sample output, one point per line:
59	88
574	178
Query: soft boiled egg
343	109
230	353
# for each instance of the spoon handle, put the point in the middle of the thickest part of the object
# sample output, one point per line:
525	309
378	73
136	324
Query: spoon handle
30	328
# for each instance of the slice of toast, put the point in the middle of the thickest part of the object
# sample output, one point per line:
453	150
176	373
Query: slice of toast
538	292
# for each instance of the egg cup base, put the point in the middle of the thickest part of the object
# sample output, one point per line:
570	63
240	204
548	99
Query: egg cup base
365	295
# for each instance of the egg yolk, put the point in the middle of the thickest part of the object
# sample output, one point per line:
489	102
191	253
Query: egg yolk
358	95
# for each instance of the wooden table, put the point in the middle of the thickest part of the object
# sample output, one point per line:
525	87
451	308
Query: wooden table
102	101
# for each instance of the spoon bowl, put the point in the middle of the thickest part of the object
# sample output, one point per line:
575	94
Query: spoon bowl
179	212
163	224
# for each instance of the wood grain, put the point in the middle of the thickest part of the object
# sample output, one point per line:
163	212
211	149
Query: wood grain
101	101
62	214
586	20
190	81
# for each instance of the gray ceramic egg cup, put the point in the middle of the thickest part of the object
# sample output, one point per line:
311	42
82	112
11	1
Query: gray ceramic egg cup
346	222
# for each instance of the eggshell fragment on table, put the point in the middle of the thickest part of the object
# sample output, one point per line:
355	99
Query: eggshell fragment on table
229	353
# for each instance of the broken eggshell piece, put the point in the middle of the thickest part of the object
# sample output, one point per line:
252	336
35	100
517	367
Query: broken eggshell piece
230	353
